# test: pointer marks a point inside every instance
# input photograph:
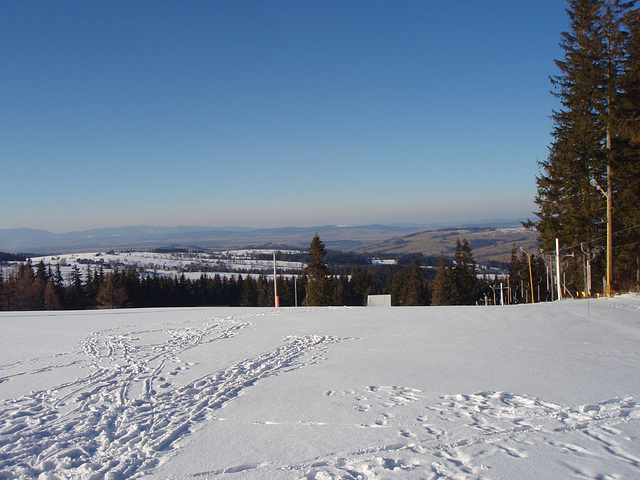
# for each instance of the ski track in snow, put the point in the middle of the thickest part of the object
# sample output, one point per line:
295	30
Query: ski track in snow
125	415
452	439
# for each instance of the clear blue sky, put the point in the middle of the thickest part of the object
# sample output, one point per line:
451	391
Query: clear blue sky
273	113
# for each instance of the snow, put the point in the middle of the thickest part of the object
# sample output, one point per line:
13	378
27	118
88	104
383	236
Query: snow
524	391
175	264
242	260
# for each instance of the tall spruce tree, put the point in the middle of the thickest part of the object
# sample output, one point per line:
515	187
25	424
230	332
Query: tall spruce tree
626	168
417	292
442	284
398	287
464	275
318	286
584	145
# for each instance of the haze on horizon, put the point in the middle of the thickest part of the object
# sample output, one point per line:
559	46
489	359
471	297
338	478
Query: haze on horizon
267	114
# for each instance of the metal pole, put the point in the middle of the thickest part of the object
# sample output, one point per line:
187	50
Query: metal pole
276	300
533	298
610	86
546	269
551	279
607	195
588	277
609	256
587	269
558	269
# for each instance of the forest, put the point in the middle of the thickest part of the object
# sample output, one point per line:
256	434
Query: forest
331	278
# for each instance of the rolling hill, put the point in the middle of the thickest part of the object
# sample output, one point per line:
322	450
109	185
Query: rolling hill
487	243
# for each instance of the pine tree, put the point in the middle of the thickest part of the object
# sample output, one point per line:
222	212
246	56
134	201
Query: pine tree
41	272
58	280
464	275
362	285
52	300
249	293
442	284
416	289
28	291
110	294
342	294
585	142
265	292
318	286
4	304
626	168
76	280
91	289
398	287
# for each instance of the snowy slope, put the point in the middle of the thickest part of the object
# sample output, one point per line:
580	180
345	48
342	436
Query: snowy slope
528	391
240	260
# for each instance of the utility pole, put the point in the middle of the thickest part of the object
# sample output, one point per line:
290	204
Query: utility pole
587	273
558	269
609	74
533	298
276	299
609	235
606	195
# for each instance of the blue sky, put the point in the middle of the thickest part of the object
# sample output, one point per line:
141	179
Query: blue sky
273	113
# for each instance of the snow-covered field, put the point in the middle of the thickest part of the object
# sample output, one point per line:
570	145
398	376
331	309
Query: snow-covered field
192	265
521	392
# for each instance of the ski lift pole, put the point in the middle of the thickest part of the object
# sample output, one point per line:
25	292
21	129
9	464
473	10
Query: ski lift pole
559	284
275	282
533	298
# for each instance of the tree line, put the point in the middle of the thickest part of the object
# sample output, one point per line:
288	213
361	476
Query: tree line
454	282
591	177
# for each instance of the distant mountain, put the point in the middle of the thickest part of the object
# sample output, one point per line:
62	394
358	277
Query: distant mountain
19	240
487	243
335	237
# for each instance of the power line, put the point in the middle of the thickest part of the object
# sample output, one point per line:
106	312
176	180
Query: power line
626	245
594	240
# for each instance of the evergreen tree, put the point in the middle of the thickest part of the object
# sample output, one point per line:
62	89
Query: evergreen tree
318	286
58	280
626	168
464	275
110	294
586	136
362	285
249	293
91	289
265	292
3	303
41	272
216	290
343	292
28	291
76	280
416	291
398	287
442	284
52	300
